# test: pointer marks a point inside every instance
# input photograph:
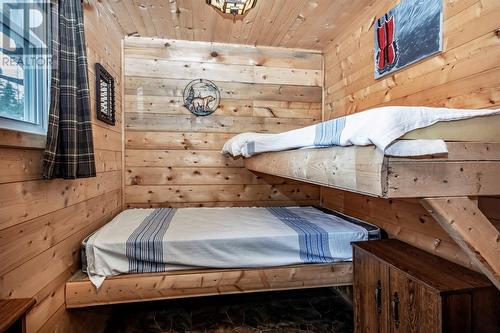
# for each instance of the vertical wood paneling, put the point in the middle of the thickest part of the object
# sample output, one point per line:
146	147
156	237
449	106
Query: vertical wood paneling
173	158
465	75
42	222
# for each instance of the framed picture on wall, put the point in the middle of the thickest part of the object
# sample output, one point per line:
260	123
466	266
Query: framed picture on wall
406	34
105	95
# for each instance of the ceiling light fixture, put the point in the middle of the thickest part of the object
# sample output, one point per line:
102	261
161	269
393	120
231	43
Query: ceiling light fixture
233	7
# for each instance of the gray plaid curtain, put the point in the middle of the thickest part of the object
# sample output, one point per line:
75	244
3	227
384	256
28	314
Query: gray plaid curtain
69	151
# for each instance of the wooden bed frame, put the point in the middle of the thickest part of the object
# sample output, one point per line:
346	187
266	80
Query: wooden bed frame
444	184
127	288
469	169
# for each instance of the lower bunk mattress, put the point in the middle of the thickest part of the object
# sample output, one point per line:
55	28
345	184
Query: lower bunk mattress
163	239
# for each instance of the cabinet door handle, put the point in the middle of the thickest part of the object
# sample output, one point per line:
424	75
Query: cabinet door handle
395	309
378	296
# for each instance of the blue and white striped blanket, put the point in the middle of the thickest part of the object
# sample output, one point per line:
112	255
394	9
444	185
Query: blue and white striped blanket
156	240
380	127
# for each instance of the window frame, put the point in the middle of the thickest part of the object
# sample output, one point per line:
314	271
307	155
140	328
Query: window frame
37	78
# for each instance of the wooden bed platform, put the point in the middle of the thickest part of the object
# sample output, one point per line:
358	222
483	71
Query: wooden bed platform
192	283
443	183
470	168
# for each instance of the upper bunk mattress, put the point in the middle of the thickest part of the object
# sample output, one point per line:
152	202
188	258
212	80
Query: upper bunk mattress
382	127
155	240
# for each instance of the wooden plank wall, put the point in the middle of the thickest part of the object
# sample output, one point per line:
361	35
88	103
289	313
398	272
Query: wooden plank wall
173	158
43	222
465	75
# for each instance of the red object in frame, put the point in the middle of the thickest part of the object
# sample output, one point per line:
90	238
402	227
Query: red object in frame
381	34
391	50
386	54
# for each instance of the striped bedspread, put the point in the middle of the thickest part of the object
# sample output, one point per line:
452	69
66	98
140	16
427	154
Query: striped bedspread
156	240
380	127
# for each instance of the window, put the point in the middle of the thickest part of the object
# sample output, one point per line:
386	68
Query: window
24	66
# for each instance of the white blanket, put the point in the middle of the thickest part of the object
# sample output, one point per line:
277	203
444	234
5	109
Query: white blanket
380	127
155	240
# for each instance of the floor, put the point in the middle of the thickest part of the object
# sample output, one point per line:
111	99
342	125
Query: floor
314	310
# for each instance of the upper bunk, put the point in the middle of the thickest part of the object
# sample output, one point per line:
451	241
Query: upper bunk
444	183
470	168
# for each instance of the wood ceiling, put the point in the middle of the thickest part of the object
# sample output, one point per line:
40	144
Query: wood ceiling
306	24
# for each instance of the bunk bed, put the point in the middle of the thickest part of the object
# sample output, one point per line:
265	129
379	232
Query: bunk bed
446	184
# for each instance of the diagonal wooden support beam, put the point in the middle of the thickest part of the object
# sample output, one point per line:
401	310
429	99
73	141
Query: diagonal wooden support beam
473	232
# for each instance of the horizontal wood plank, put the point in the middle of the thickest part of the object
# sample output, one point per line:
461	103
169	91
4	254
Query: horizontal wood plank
105	139
159	68
227	107
26	164
193	175
220	53
201	193
230	90
213	123
422	179
175	140
140	287
179	158
255	203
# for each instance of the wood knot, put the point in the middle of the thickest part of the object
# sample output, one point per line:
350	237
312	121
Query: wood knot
497	32
437	242
214	54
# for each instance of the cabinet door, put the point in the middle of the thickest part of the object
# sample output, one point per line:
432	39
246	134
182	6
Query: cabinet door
371	293
413	307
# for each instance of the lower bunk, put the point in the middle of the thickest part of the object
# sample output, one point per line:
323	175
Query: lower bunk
154	254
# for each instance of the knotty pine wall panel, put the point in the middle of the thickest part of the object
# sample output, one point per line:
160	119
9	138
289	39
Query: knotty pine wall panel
465	75
42	222
173	158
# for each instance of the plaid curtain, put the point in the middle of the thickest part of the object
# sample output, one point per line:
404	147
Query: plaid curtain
69	151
